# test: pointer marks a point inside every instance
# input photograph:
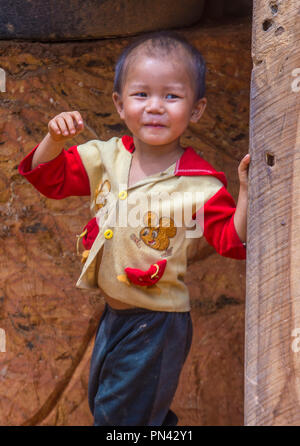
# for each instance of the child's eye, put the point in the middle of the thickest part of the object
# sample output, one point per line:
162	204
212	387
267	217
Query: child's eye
140	94
171	96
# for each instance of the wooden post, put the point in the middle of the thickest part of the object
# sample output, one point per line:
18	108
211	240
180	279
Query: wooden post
272	353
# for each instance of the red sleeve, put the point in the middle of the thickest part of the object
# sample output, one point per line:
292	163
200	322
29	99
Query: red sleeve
61	177
219	229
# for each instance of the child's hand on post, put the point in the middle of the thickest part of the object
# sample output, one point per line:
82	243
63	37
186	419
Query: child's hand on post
240	216
66	125
243	171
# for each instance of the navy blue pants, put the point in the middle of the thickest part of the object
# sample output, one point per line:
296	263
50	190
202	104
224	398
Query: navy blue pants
135	366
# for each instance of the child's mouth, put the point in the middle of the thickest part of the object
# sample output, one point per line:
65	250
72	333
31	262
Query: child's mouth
155	125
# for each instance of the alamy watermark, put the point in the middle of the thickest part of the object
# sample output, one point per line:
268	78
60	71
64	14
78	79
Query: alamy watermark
296	342
2	341
296	82
154	211
2	81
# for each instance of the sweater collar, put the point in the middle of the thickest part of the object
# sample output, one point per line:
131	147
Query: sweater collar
190	163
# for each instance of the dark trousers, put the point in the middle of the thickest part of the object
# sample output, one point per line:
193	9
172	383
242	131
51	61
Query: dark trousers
135	366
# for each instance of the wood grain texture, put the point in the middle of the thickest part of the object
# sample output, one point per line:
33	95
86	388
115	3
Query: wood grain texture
272	367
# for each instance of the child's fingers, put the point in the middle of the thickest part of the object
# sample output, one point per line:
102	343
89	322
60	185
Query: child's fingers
65	125
246	159
70	128
53	127
78	121
70	123
60	122
244	162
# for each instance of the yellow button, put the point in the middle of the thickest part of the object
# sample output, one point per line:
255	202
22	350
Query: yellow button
122	194
108	233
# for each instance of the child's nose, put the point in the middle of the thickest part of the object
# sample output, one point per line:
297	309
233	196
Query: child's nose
154	105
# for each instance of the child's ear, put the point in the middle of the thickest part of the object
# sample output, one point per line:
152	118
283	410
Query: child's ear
198	109
118	103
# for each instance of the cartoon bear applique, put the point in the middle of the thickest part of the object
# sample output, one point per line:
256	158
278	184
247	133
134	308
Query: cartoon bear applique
155	236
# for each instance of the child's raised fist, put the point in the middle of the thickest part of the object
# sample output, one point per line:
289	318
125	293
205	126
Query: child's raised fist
66	125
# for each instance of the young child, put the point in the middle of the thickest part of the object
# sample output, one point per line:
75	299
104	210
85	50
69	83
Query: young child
145	332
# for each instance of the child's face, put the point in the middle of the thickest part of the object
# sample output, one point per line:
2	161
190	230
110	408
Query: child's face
158	100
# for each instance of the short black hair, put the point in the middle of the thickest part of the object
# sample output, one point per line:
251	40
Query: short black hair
167	41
